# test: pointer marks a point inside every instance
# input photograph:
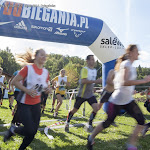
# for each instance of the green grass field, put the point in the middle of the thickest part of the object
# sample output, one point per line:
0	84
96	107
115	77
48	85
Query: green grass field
113	138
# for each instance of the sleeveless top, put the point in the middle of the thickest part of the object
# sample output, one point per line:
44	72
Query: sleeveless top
33	81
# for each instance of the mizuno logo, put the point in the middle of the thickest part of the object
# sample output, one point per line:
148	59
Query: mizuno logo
2	23
61	30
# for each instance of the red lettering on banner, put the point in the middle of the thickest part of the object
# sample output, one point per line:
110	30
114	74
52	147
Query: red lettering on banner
17	10
8	8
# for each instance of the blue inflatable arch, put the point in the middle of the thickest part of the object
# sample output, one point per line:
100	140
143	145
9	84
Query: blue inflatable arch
46	24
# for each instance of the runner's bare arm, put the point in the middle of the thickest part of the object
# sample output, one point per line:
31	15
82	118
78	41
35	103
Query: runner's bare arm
128	82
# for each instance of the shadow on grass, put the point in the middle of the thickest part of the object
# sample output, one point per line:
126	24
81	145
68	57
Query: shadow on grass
62	142
1	122
79	136
72	145
112	144
3	107
47	115
43	146
2	128
119	144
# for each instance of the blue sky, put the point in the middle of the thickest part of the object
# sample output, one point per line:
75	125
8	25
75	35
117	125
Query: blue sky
128	19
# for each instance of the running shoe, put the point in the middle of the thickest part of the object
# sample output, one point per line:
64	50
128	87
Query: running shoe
67	127
144	130
18	124
55	114
9	133
42	111
88	128
90	144
10	106
52	110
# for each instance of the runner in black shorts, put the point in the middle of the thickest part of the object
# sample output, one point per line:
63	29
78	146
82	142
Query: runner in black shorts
124	85
109	88
87	80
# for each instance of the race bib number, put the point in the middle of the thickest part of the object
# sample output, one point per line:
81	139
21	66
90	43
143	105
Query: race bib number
39	88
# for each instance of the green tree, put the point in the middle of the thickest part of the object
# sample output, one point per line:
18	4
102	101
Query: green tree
1	61
98	67
8	62
72	73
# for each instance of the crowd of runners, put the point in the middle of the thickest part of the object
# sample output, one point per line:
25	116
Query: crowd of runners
31	86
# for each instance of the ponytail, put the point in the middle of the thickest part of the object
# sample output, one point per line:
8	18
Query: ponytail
124	56
120	60
27	57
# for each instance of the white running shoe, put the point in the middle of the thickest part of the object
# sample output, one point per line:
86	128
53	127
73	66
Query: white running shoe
55	114
88	128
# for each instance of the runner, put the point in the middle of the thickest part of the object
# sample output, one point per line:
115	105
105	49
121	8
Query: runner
44	97
124	84
10	95
147	105
2	85
35	79
109	88
15	120
61	82
87	81
54	96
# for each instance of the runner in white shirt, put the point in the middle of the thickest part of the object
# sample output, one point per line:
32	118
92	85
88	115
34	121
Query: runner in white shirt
124	84
109	88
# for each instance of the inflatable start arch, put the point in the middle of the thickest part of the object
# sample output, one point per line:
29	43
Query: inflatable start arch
46	24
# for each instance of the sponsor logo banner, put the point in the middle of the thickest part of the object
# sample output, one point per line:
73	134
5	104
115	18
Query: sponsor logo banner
27	21
21	25
111	42
107	46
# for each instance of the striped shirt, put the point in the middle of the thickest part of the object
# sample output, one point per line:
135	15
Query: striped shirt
86	90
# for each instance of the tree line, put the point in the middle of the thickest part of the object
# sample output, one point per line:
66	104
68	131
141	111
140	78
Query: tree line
56	62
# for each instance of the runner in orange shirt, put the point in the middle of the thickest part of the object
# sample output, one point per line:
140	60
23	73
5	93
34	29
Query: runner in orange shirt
35	79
